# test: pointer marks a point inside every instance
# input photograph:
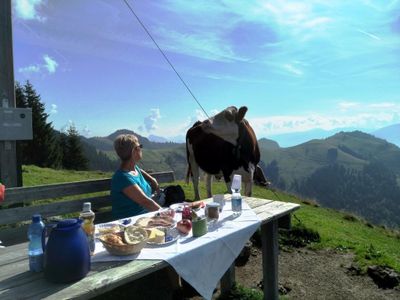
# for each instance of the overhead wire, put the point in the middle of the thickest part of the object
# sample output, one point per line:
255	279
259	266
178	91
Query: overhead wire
164	55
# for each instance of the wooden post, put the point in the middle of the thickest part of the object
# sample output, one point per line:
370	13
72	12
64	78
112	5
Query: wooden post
8	153
270	251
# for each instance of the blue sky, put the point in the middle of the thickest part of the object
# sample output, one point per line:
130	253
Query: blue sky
299	66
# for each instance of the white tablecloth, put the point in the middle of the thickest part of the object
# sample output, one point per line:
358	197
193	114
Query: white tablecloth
203	260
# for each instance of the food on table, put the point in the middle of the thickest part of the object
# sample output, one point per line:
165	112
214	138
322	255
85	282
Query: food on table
108	228
134	235
196	205
156	236
155	221
167	212
113	238
184	226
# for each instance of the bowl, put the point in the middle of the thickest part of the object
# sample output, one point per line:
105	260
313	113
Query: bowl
124	249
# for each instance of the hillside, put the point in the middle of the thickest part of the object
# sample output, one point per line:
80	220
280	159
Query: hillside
351	149
353	171
341	236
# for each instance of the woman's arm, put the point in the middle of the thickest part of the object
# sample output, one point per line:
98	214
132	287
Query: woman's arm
152	181
135	193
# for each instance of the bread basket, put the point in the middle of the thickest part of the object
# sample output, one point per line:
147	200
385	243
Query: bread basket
125	249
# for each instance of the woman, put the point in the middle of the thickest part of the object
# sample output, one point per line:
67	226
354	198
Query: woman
131	187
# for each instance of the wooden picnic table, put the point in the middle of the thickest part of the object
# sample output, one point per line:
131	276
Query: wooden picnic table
17	282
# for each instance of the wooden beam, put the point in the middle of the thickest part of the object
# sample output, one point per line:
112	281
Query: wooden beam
270	251
8	152
52	191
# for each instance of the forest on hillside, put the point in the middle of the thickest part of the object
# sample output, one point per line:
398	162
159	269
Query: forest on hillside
371	193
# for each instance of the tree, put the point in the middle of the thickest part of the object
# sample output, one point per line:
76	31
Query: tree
43	150
73	157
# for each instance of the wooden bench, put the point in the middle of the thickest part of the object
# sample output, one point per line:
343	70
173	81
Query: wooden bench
19	204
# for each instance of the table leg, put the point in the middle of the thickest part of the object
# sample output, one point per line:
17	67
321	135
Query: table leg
270	249
228	280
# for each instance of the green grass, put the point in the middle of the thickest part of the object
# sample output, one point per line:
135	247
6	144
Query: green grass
371	245
33	175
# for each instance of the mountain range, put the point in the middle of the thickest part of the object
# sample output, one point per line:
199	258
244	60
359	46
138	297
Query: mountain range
354	171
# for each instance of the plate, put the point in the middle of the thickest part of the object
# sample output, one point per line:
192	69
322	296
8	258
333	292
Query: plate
171	236
155	221
178	207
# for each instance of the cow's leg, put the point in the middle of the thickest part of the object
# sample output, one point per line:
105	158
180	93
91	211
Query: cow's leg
195	172
195	180
248	188
247	179
208	185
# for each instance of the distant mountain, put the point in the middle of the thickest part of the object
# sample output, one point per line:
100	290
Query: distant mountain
390	133
297	138
354	171
158	156
268	144
106	143
157	139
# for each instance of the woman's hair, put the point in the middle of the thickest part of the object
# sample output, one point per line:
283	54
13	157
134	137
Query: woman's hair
124	144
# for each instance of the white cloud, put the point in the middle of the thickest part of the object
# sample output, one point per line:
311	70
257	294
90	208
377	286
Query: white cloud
382	105
65	128
273	125
28	9
346	105
292	69
29	69
50	64
373	36
150	122
53	109
86	131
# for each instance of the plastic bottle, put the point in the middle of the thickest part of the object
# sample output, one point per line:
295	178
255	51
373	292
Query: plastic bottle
87	216
36	243
236	199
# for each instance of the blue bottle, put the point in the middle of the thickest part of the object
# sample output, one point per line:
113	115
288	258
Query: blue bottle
36	244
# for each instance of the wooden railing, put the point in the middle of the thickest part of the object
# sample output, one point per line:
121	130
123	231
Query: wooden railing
56	200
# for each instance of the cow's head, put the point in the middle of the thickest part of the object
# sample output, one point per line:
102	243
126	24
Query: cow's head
226	123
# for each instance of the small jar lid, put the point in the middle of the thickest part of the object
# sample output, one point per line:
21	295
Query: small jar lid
36	218
213	204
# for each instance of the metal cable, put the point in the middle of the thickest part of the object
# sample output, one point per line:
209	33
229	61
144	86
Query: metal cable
164	55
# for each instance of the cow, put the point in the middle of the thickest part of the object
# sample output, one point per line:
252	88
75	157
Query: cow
224	144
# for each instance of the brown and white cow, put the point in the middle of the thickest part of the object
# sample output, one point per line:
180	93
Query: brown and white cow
223	144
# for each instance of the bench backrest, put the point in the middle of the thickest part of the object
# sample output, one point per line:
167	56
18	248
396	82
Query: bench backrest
20	203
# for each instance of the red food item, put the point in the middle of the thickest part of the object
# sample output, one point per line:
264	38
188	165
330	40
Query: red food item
184	226
2	192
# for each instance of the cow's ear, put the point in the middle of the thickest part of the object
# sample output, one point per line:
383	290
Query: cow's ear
241	113
230	113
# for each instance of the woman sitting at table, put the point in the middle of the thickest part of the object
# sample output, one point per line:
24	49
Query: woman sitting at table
131	187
